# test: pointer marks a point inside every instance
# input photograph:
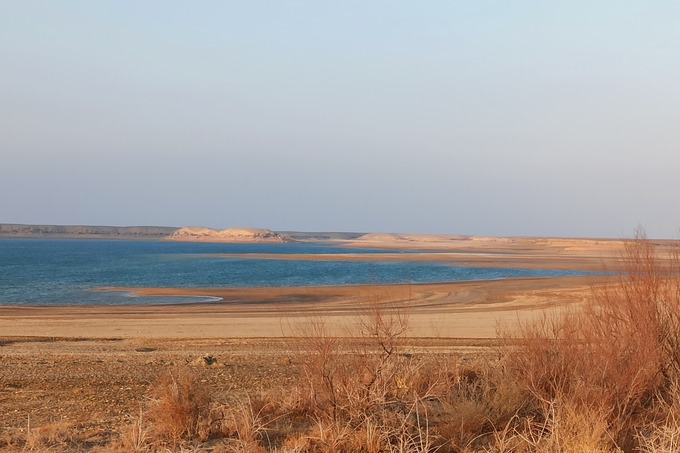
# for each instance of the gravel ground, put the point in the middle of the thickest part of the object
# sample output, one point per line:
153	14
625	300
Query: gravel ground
94	388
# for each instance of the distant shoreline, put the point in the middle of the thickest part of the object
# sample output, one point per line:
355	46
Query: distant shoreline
150	233
13	230
592	249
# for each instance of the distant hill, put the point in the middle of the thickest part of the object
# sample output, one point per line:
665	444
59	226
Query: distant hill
85	232
156	233
246	235
304	236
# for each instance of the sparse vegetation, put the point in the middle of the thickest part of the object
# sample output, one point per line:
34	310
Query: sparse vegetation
178	408
603	377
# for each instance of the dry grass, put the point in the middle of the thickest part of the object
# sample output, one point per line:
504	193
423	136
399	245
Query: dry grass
178	409
610	362
50	437
136	437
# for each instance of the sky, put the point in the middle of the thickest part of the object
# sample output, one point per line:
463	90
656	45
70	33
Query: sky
503	118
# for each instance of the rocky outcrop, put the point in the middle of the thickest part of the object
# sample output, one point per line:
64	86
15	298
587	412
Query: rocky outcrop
244	235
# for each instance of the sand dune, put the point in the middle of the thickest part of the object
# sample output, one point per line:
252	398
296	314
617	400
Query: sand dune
242	235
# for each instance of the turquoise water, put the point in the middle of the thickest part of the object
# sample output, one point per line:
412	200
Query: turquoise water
67	272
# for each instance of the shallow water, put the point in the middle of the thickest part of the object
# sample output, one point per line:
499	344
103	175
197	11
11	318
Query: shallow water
67	272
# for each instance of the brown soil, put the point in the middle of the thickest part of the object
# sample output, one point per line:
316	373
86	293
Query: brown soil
93	389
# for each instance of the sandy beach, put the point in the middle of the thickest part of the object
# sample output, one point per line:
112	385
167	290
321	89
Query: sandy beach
471	309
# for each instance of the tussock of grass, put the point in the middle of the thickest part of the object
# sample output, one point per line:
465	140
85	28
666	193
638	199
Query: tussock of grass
179	408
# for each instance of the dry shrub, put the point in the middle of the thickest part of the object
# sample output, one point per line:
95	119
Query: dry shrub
135	438
641	310
393	431
246	426
56	436
459	424
612	358
179	407
323	436
563	428
384	324
364	394
367	394
319	352
479	399
661	439
346	378
662	432
265	422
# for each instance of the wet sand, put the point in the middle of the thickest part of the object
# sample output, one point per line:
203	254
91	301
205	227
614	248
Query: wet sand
469	309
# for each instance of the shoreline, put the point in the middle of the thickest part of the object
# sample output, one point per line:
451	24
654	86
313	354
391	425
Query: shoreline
451	310
463	259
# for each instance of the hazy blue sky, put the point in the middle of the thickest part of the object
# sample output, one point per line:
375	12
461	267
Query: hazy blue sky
460	117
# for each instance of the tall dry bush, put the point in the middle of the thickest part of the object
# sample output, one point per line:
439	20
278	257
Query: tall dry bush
319	357
365	394
179	405
358	371
369	394
615	355
641	310
378	362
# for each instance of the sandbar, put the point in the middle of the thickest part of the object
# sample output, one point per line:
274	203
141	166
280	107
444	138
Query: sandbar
459	310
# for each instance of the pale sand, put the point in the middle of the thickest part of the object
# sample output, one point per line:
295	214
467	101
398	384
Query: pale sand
462	310
471	310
